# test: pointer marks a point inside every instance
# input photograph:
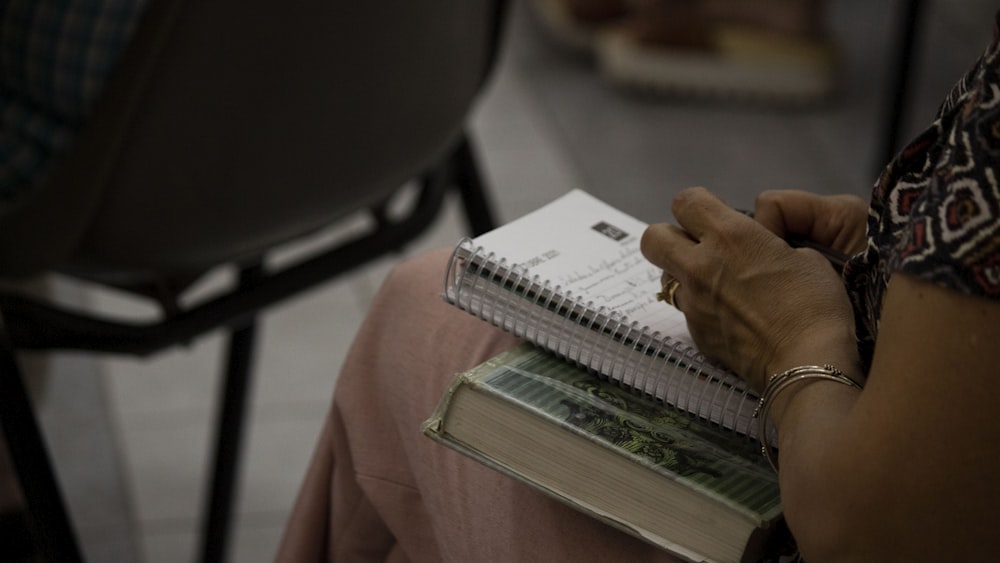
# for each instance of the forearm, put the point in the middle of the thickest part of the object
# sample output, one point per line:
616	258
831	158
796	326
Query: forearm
844	499
904	470
814	456
812	418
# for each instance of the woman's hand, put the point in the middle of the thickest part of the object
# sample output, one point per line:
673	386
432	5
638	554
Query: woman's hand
751	301
837	221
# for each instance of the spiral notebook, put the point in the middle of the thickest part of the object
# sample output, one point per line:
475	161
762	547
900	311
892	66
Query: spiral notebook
570	277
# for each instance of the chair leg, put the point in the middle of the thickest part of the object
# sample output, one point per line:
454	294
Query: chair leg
48	517
468	179
896	104
229	434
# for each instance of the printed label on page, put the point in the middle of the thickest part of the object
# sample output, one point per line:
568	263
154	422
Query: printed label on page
610	231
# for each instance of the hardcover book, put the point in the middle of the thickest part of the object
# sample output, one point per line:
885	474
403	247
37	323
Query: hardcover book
688	485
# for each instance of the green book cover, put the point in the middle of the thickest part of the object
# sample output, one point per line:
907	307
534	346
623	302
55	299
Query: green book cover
714	466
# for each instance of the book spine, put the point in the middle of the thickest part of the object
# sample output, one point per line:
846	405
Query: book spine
606	342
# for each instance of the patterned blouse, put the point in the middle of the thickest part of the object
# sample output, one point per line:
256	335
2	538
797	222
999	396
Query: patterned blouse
935	210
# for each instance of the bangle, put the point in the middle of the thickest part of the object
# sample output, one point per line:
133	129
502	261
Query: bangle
781	381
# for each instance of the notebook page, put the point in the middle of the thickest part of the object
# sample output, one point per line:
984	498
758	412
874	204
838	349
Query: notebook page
589	250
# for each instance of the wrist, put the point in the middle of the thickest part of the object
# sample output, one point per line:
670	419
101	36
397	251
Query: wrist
838	350
784	383
834	344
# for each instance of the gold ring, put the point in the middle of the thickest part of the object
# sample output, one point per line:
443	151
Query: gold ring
669	290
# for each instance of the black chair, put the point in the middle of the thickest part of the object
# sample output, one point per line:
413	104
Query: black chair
229	128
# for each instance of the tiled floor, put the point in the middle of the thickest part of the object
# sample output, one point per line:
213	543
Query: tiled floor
547	124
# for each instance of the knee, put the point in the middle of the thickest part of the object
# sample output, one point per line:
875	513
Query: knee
418	277
412	286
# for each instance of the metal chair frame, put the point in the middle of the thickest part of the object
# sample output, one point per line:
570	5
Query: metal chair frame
30	324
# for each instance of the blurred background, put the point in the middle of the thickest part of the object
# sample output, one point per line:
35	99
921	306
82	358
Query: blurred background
131	437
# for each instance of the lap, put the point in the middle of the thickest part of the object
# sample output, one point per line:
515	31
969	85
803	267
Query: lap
415	496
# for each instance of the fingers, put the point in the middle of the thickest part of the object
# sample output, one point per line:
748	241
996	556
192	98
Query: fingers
787	211
835	221
768	211
698	211
662	243
700	215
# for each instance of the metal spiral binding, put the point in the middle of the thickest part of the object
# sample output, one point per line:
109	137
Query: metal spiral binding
518	327
553	301
503	314
590	340
645	364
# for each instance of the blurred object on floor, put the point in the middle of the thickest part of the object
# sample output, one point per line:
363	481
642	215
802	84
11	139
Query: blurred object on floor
775	51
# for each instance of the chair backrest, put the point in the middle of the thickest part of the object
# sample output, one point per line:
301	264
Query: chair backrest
231	125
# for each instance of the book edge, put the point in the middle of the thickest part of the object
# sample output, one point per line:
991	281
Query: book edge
761	523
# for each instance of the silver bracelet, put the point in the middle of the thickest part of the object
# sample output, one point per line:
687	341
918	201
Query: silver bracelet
781	381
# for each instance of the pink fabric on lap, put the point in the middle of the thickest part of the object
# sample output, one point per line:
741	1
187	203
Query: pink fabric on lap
378	490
